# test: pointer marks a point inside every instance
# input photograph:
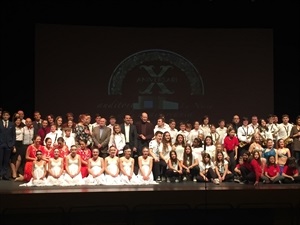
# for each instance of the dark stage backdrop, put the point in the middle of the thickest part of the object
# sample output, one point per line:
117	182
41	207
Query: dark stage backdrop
184	73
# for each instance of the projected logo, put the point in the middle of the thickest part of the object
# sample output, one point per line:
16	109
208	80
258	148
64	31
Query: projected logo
156	79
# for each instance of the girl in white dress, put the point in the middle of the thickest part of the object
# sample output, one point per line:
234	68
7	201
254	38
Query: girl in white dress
145	174
73	168
39	171
112	170
126	164
95	169
55	169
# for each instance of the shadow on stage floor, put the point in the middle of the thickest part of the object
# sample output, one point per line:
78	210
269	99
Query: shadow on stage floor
164	203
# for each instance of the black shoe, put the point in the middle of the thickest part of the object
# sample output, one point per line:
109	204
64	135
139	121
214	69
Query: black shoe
243	181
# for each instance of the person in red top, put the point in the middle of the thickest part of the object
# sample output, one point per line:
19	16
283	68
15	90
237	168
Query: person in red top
231	144
85	154
45	129
271	172
290	171
252	168
30	157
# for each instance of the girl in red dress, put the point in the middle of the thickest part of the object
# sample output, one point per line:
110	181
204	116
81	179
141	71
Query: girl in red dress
85	154
30	157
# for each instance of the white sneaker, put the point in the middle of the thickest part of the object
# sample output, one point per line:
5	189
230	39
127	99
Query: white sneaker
176	180
216	181
194	180
168	180
184	178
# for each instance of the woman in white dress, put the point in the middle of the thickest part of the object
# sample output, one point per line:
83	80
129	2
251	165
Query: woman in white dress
73	168
145	174
55	169
111	165
126	164
39	171
95	169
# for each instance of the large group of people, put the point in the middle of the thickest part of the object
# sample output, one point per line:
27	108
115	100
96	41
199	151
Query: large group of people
50	151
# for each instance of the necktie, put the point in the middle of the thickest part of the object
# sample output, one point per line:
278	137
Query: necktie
6	124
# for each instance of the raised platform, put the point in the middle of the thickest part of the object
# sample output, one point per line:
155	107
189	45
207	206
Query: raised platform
164	203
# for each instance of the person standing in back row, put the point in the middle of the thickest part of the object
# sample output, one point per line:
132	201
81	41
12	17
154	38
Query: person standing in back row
7	142
145	131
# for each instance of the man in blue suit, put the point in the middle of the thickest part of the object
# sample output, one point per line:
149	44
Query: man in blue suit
7	143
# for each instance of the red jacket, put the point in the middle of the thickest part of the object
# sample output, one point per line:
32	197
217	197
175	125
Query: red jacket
256	167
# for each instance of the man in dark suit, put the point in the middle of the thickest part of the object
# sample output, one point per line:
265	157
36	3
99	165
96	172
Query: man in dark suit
7	143
37	122
101	136
145	131
129	130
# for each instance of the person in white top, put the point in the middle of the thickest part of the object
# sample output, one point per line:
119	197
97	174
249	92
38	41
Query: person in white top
209	148
179	146
221	168
145	161
59	125
173	131
95	169
28	133
73	168
205	125
22	116
117	139
164	153
97	121
214	134
126	165
222	130
207	170
154	153
195	132
161	126
56	170
254	123
183	131
264	132
112	168
190	164
198	148
18	152
53	134
244	134
68	137
174	169
39	171
272	127
284	130
112	122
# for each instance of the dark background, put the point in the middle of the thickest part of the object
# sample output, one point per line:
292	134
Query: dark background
19	18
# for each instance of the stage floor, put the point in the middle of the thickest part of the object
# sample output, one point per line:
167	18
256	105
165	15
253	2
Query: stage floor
163	203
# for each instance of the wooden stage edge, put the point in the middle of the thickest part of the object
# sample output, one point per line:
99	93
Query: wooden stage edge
143	204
